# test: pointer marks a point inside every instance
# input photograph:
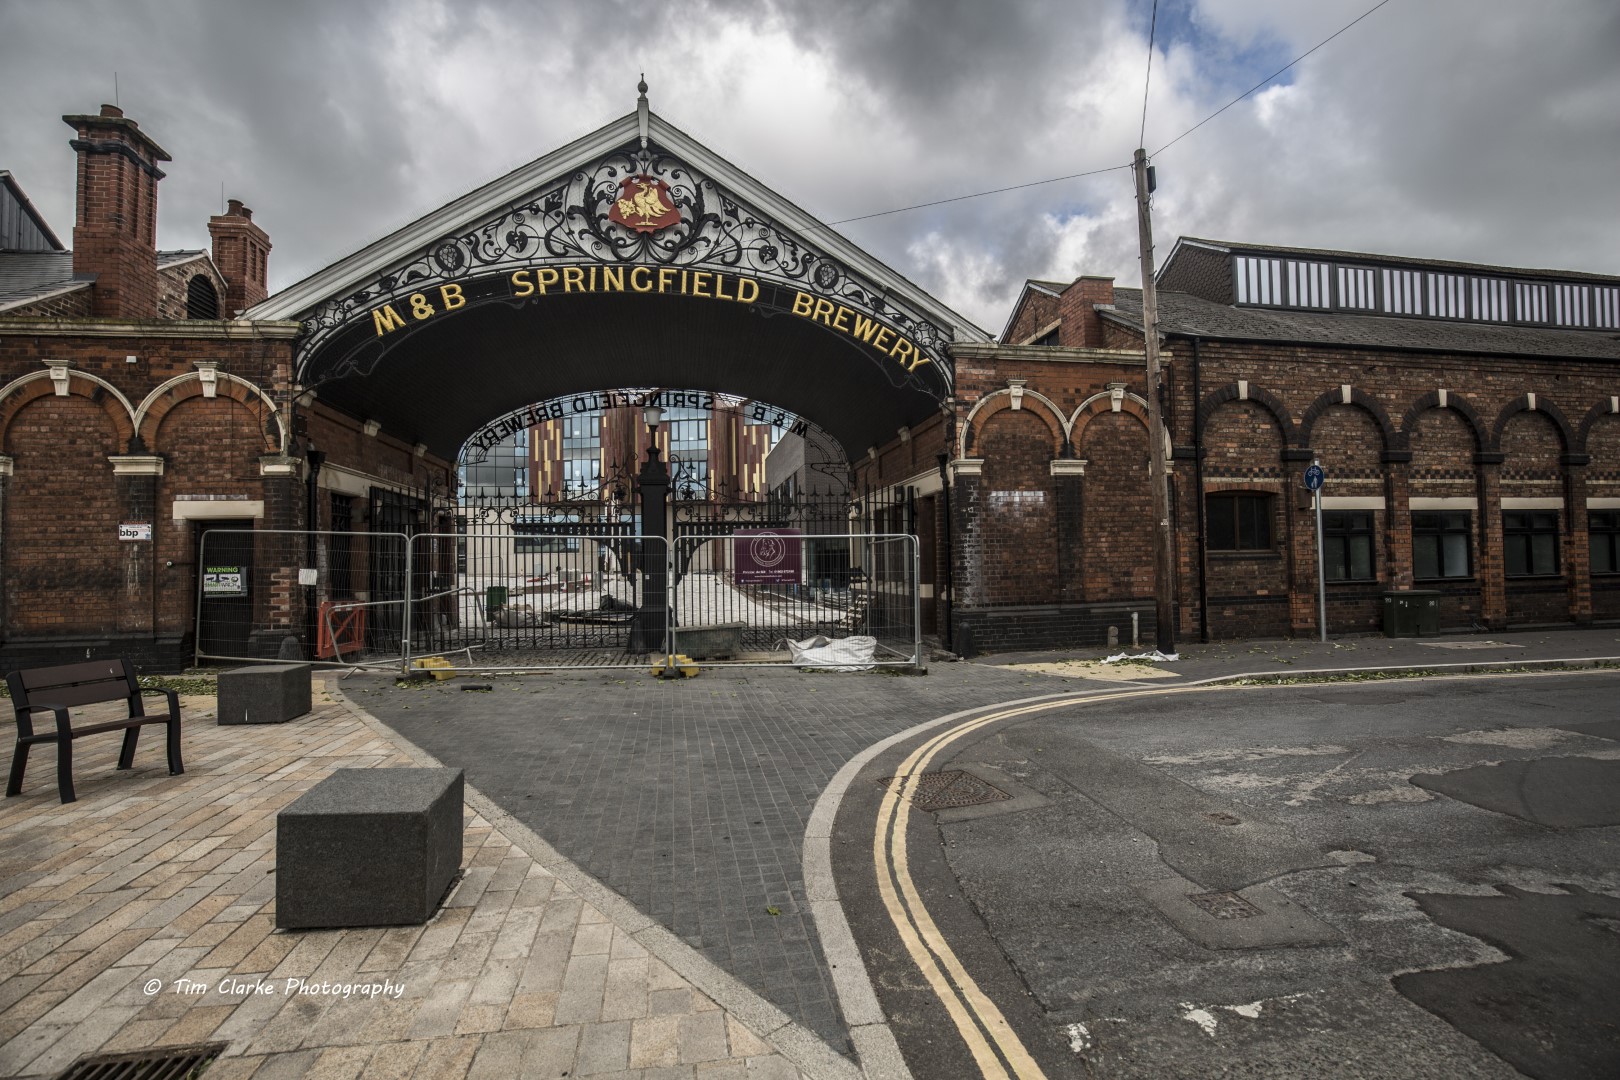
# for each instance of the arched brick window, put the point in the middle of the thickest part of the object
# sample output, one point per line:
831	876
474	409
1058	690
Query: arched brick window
202	301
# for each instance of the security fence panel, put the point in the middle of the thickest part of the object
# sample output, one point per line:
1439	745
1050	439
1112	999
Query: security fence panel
761	596
491	597
335	598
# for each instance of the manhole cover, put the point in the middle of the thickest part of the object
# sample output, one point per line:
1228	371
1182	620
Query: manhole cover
170	1061
1225	905
951	788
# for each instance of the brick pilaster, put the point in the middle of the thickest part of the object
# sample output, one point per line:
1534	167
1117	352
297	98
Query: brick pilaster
1576	540
1491	571
1398	519
1300	542
967	540
1068	480
135	481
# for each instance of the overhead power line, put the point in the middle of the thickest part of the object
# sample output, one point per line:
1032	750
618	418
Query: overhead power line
1116	168
1263	81
1153	29
976	195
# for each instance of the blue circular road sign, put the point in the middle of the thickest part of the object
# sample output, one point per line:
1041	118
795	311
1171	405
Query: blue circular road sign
1314	477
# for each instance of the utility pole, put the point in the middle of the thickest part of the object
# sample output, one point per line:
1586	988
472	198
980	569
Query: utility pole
1164	584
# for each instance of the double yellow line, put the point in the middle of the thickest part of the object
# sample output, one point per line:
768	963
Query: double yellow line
995	1047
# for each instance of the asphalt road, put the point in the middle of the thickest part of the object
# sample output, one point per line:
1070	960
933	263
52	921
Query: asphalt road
1386	879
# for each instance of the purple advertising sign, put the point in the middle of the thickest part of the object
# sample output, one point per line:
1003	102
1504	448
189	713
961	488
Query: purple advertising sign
768	556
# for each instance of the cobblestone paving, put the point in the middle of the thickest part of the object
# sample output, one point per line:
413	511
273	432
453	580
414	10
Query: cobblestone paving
688	797
149	879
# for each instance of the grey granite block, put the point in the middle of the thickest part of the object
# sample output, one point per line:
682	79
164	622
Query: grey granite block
368	847
264	693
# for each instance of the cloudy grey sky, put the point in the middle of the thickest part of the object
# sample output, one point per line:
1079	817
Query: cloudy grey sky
1484	130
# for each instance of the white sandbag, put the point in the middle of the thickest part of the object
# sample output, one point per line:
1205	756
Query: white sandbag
834	654
1155	656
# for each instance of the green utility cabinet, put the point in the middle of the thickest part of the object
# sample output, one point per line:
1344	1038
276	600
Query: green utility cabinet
1413	613
494	601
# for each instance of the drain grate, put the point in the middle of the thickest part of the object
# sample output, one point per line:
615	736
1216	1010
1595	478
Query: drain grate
949	789
1225	905
168	1063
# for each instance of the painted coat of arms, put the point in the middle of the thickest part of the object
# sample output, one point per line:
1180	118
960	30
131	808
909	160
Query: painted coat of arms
644	205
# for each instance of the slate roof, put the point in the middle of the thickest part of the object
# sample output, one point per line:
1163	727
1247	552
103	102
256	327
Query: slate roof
167	259
26	276
1181	313
1392	260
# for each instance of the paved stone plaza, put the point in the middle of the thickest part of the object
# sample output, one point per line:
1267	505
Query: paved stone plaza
150	879
688	797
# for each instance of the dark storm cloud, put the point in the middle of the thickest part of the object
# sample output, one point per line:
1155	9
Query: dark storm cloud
1481	131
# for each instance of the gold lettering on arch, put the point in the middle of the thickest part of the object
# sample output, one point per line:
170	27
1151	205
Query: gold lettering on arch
699	284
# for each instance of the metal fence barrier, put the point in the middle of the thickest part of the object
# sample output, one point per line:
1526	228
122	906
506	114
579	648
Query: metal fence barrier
744	596
262	592
498	599
513	601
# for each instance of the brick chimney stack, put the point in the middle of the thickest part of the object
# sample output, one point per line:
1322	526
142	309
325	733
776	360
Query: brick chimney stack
242	254
115	226
1082	327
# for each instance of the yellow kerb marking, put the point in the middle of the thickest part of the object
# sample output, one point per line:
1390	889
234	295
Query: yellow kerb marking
917	928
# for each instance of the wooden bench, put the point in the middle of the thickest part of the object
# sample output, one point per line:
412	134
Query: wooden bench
58	689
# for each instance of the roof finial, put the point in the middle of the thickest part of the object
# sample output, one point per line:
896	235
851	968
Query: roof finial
641	110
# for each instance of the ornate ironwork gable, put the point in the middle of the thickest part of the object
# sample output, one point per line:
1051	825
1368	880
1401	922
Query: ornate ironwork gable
571	223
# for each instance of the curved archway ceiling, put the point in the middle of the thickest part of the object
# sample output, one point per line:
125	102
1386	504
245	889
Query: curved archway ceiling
620	261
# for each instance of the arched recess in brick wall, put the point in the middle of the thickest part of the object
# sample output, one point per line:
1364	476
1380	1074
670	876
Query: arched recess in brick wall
1532	442
20	393
1349	442
1534	403
1600	434
1027	401
1442	399
210	446
1017	512
1246	574
149	416
1336	399
1102	404
1244	391
1117	507
1601	413
1443	442
62	553
1243	442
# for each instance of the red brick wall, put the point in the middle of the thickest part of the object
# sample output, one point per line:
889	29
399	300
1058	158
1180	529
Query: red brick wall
174	283
1531	447
1018	549
212	447
1348	437
1118	509
1248	591
1039	311
73	305
1082	326
63	564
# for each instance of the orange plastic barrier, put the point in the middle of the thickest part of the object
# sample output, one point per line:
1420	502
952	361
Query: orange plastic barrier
347	631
